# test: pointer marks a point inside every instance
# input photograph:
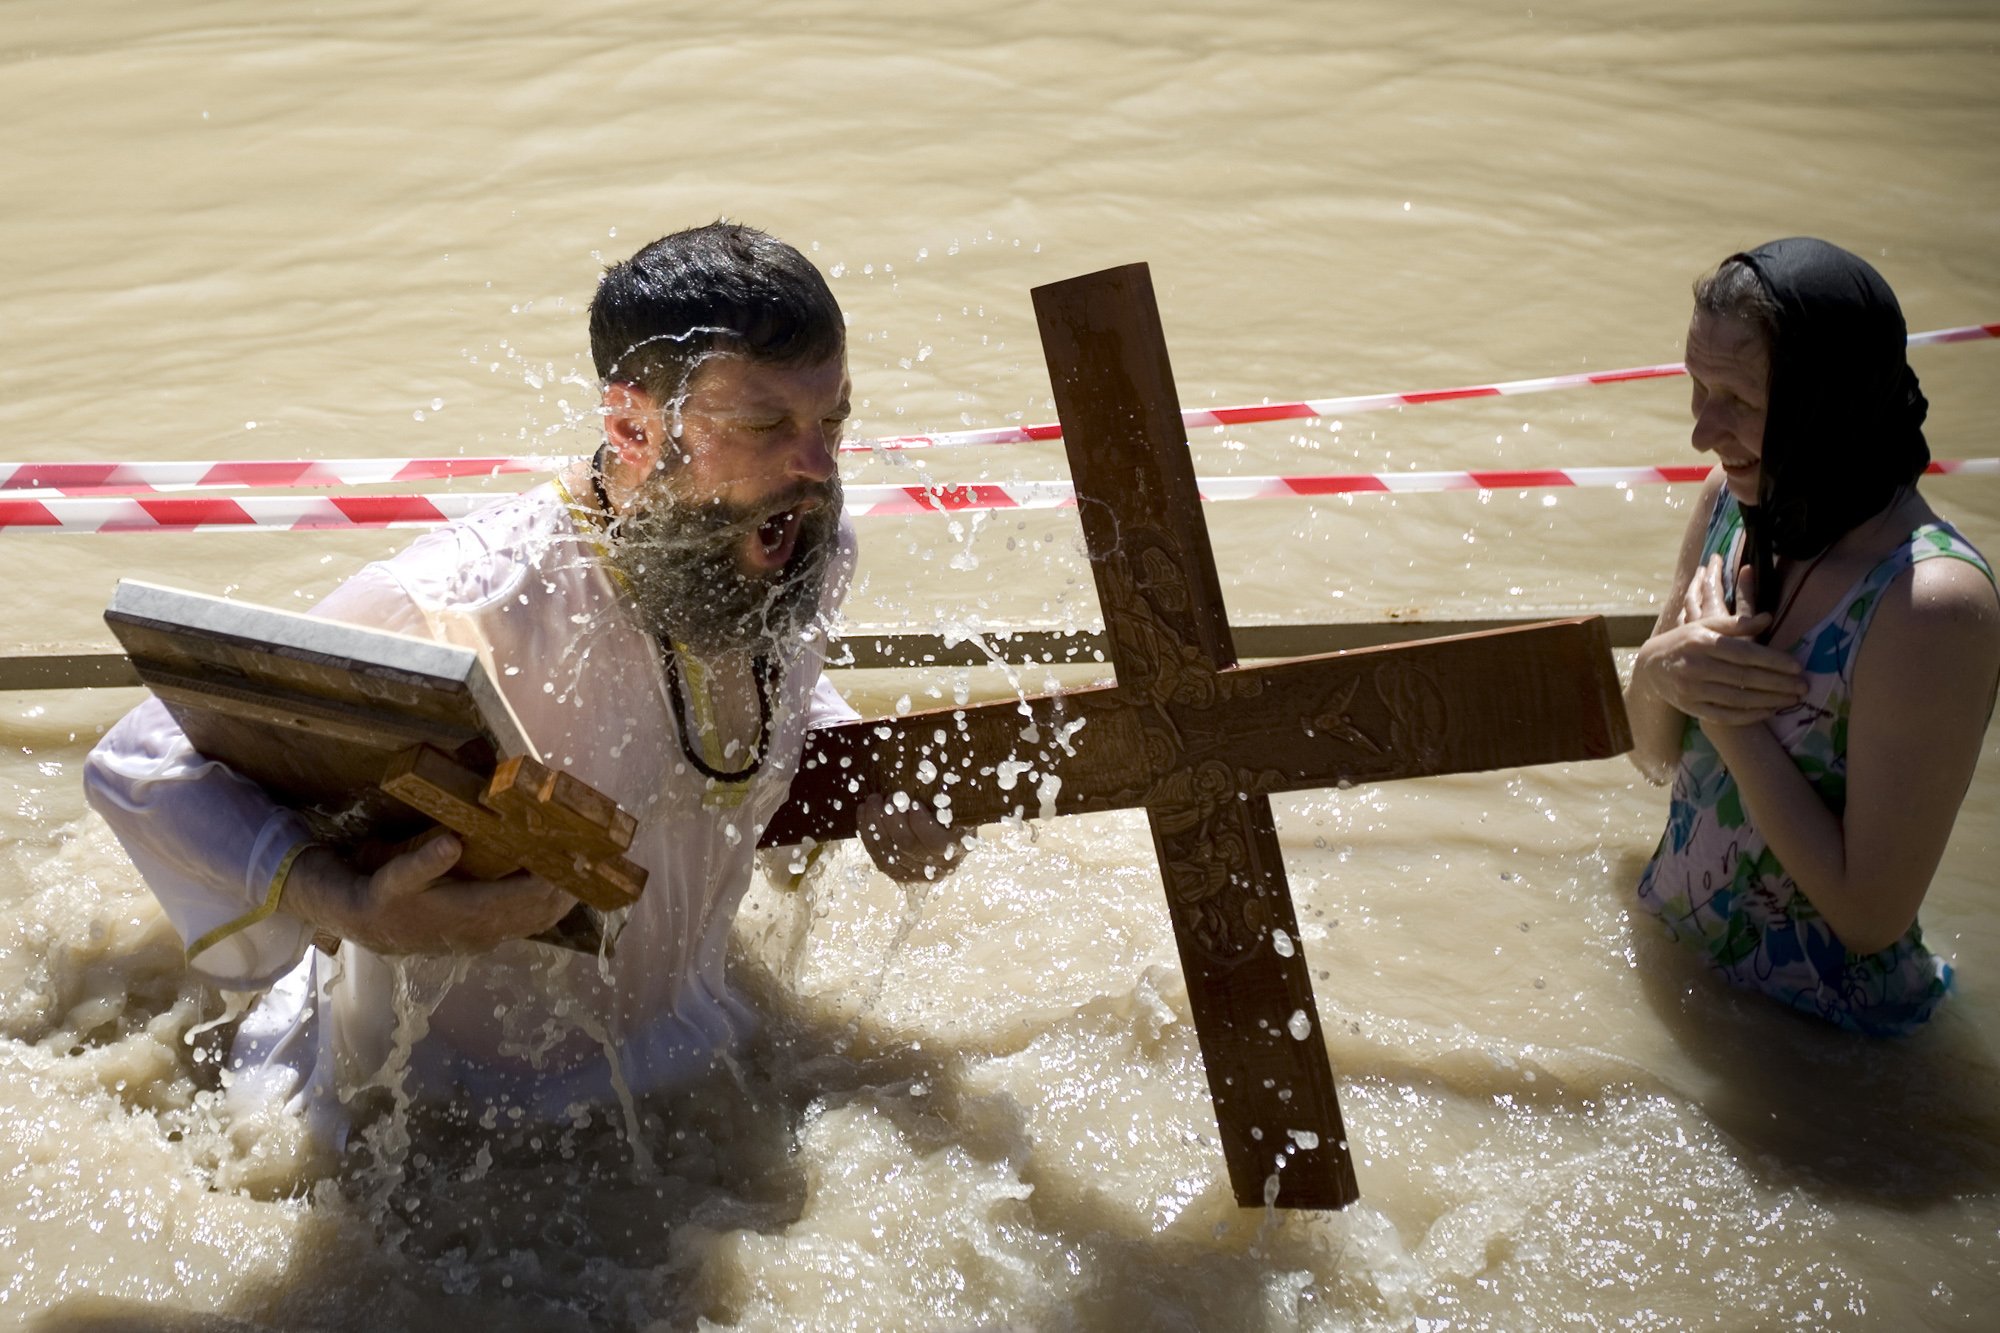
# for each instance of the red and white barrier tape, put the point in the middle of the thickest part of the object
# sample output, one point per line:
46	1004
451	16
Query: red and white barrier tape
290	513
86	479
1369	402
104	479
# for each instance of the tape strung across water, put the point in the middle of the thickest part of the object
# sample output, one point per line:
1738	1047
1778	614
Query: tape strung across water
159	513
82	497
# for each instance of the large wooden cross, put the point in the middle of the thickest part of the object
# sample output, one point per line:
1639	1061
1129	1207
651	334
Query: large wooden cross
1201	743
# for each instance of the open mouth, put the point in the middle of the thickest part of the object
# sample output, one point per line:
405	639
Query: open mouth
778	536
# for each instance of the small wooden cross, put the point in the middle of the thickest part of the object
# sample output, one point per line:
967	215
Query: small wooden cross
1201	743
525	816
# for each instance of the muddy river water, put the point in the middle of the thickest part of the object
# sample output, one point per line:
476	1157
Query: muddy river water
233	230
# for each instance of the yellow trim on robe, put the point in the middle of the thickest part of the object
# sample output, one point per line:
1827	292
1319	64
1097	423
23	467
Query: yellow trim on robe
255	914
717	795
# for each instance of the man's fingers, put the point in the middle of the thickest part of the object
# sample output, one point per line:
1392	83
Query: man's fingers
477	914
909	843
521	894
422	865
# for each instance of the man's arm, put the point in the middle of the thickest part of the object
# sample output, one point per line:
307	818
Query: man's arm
908	844
236	871
211	845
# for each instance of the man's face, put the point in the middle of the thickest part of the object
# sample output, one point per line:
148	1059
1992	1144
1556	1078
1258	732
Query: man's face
1729	367
727	545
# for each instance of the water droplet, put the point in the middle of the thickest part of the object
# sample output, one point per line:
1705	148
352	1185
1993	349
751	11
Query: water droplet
1299	1025
1282	943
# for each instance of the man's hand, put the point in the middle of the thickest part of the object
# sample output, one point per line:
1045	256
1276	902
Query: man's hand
407	907
907	842
1711	667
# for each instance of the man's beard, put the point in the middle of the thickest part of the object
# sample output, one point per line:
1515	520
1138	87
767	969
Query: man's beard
684	578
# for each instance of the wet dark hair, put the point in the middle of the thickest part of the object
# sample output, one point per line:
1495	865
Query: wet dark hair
722	287
1843	436
1732	290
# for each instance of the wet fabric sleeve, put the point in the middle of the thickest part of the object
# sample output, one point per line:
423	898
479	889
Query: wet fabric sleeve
210	843
827	707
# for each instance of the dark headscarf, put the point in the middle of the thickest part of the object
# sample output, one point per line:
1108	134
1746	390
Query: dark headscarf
1844	431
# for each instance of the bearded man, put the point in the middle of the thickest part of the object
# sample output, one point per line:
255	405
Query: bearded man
656	617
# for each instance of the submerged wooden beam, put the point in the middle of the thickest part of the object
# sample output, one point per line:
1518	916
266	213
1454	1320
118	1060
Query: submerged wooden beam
878	650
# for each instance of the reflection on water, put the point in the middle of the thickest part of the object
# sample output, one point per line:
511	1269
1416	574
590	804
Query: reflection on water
372	235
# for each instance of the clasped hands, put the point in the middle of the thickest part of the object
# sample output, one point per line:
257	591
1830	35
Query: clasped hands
1710	665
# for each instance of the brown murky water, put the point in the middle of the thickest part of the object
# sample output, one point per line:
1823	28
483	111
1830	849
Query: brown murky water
232	230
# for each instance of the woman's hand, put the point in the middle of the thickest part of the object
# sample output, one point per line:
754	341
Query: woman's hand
1710	665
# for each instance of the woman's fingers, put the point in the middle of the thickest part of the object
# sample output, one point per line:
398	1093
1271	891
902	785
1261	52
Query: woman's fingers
1746	589
1736	717
1760	698
1747	654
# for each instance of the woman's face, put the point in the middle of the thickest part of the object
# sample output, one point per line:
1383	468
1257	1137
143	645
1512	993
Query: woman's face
1730	368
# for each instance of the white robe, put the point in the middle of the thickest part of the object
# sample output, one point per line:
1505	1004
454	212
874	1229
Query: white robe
526	1025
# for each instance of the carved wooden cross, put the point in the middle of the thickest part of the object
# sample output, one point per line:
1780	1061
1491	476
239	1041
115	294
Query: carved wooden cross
1201	743
525	815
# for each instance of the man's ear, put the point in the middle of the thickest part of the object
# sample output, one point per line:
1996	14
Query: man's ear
634	432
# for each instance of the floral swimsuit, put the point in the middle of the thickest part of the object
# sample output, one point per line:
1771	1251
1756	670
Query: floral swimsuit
1719	889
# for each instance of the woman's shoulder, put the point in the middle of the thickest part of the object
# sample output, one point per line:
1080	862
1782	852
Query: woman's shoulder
1943	600
1954	589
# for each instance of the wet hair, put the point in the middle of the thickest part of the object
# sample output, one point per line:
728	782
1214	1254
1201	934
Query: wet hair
722	287
1843	435
1732	290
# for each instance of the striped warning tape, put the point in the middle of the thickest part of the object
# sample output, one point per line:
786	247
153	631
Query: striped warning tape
308	513
83	480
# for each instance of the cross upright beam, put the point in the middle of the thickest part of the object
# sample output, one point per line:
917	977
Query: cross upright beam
1233	920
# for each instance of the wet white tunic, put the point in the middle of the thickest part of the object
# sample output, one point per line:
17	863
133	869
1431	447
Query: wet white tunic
530	1025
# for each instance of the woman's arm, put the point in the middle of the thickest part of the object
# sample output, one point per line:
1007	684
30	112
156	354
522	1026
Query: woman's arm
1702	660
1924	684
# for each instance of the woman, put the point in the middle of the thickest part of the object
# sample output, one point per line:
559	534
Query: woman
1820	682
